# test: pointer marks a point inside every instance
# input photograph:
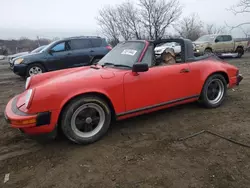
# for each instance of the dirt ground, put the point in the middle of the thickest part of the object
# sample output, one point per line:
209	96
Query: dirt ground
139	152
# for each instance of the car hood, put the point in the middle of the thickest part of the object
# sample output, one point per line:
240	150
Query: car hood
71	75
200	42
18	54
30	55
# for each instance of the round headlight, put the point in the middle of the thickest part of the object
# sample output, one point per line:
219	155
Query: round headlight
28	98
27	84
18	61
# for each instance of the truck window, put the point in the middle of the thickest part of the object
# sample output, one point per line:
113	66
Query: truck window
219	39
227	38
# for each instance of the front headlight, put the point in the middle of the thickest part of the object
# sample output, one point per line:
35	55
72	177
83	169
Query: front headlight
28	98
27	84
18	61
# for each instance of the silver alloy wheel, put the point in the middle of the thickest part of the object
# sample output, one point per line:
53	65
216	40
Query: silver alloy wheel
215	91
87	120
35	70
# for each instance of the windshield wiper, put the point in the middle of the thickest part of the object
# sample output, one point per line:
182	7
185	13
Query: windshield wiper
105	64
116	65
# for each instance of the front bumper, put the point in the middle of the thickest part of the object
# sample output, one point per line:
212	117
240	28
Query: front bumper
20	69
197	53
31	124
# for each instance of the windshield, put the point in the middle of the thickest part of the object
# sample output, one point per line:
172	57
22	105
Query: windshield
126	53
206	38
48	46
38	49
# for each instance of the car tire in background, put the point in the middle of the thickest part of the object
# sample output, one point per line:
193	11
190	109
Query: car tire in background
214	91
208	51
35	68
85	119
239	52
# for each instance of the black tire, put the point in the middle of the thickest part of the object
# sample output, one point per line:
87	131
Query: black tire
208	51
204	99
73	107
240	52
38	65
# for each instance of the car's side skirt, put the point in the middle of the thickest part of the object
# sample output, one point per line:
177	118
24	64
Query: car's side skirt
156	106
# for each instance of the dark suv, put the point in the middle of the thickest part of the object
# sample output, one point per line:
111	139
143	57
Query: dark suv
61	54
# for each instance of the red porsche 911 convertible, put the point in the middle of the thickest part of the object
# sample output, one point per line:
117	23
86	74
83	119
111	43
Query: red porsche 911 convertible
130	80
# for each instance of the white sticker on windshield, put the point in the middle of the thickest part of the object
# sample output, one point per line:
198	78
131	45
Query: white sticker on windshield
129	52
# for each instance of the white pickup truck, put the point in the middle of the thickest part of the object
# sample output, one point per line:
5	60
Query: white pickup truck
222	45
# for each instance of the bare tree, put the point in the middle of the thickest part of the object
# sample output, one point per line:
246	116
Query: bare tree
129	20
243	6
149	19
108	21
190	27
213	29
245	31
157	15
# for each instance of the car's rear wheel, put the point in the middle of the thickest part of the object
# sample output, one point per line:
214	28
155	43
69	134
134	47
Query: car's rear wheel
214	91
239	52
35	69
86	119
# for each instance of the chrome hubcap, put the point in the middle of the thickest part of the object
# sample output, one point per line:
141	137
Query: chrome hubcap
88	120
215	91
35	70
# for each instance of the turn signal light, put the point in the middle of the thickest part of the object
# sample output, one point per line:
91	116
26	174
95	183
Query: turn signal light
23	122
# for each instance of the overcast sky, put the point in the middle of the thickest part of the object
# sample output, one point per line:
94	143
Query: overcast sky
51	18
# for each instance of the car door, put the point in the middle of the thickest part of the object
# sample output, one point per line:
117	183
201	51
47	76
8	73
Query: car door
58	56
228	44
218	44
159	85
99	48
81	52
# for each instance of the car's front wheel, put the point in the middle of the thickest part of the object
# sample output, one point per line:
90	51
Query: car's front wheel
214	91
208	52
34	69
86	119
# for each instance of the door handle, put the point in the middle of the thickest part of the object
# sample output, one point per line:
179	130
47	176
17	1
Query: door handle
184	71
69	53
92	51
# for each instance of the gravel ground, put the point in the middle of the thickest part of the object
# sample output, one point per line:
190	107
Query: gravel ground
139	152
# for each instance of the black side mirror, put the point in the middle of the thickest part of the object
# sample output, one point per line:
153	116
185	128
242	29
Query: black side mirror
50	51
140	67
216	40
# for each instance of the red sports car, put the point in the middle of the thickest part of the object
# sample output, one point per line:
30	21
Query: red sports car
127	82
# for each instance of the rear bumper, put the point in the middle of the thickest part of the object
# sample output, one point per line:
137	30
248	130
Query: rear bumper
235	81
31	124
239	79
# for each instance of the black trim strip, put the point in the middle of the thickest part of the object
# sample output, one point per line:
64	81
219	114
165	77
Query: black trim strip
43	119
157	105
